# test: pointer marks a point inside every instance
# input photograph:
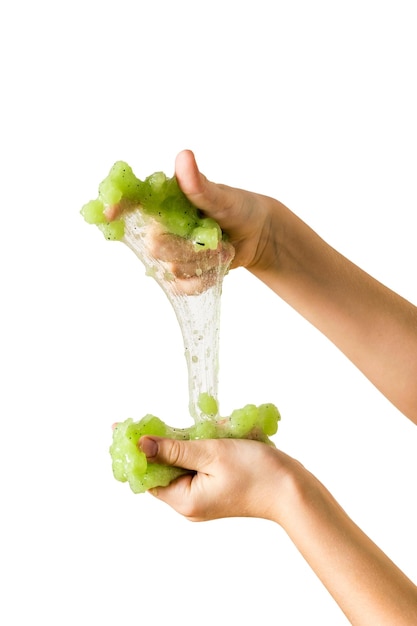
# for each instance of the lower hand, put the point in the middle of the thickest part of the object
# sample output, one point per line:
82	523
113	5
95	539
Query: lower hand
228	477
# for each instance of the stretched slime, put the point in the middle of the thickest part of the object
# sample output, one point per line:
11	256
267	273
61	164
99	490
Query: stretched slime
189	256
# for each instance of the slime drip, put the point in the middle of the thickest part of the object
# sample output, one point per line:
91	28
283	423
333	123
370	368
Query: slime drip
197	312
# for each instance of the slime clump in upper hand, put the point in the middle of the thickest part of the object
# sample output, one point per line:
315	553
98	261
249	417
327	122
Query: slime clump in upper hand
188	255
159	197
177	244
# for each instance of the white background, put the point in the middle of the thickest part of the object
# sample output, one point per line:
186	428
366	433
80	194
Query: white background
313	103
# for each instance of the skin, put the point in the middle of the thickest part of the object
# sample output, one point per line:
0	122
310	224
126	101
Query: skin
230	482
374	327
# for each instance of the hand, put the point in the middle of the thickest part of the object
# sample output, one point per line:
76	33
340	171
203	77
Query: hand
229	477
244	216
193	271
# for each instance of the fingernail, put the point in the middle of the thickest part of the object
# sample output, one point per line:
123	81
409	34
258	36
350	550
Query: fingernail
148	446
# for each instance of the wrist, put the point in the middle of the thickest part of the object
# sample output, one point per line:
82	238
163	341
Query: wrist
291	484
284	244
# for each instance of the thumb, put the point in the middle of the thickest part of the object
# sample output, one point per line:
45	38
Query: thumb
190	455
204	194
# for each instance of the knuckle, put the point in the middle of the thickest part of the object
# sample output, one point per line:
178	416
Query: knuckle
175	453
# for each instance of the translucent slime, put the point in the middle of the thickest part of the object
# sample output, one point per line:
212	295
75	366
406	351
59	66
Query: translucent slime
188	255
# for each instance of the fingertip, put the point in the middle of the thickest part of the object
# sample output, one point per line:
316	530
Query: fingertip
184	157
149	446
188	175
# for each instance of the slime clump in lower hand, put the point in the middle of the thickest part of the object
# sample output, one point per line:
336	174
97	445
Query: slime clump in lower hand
130	463
188	255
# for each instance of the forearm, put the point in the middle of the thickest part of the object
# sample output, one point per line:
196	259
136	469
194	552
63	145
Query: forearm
373	326
364	582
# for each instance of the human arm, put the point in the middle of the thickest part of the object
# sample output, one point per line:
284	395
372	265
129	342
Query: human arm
372	325
229	481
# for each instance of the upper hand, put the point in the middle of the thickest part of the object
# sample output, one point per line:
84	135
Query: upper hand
244	216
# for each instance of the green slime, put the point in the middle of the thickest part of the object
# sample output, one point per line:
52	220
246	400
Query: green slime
140	206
